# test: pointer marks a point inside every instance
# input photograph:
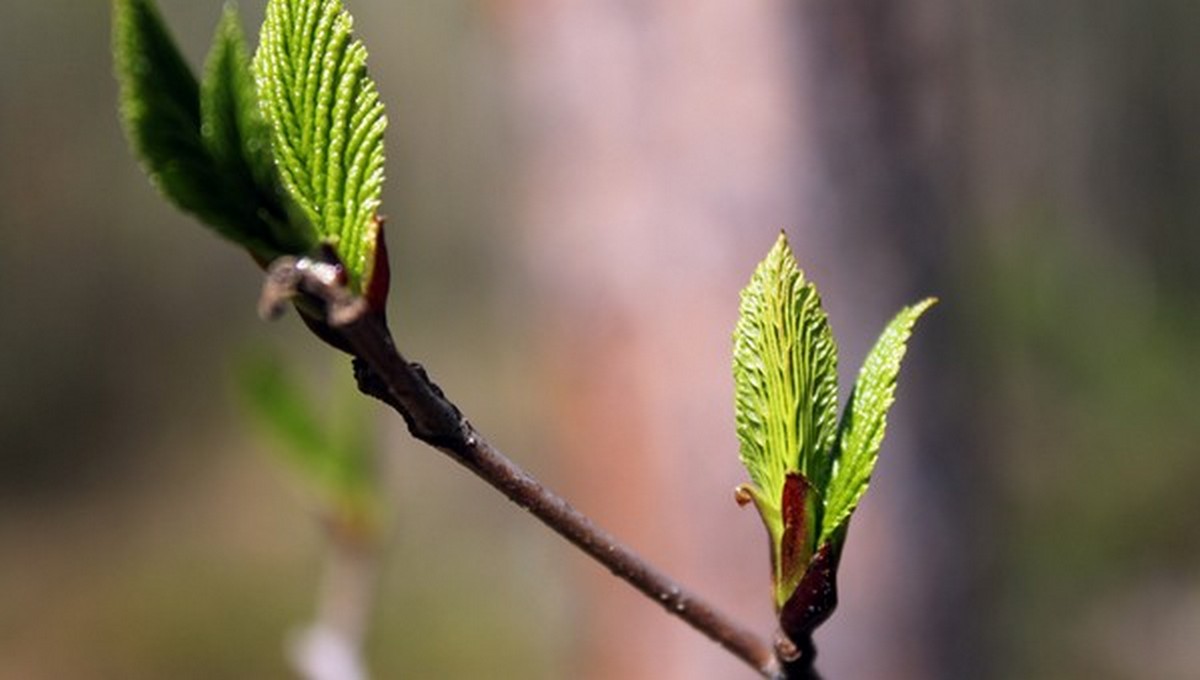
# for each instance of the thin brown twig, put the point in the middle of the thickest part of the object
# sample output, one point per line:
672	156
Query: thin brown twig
382	372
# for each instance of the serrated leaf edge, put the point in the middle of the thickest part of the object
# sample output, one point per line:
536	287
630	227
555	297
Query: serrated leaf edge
864	420
310	68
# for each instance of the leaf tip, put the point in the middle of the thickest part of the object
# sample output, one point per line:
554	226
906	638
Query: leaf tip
781	251
924	305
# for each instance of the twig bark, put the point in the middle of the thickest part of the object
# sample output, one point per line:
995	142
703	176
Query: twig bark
382	372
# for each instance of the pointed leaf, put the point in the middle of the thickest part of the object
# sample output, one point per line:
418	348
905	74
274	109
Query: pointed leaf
785	374
327	124
233	127
865	419
160	108
239	143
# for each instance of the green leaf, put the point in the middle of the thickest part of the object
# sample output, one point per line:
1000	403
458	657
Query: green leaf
785	375
200	144
239	143
232	126
160	108
330	446
865	419
327	124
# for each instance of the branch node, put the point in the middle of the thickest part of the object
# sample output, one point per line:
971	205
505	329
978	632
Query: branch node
786	650
797	657
450	433
320	280
279	287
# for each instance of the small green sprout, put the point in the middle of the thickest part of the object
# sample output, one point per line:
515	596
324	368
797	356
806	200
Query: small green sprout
808	468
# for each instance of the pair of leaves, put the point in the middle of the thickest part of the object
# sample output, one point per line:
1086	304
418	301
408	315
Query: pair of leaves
205	145
280	154
785	375
785	371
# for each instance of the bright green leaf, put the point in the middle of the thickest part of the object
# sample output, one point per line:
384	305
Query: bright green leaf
232	126
327	124
785	375
239	143
865	419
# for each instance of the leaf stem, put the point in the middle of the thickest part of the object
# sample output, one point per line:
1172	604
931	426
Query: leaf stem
382	372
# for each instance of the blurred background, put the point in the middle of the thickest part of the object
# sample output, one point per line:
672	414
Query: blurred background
577	192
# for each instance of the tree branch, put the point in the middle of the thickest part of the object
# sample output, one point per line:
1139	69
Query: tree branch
382	372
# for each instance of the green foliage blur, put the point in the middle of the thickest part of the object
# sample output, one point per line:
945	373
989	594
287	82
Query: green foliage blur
324	435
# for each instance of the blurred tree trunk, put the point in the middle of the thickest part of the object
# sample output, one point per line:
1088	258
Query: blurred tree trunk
885	94
665	145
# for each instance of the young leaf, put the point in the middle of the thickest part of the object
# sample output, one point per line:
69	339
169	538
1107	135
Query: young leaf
327	124
232	127
160	107
865	419
239	143
785	374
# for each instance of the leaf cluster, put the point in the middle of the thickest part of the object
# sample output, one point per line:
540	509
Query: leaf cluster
808	468
204	143
283	155
279	154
